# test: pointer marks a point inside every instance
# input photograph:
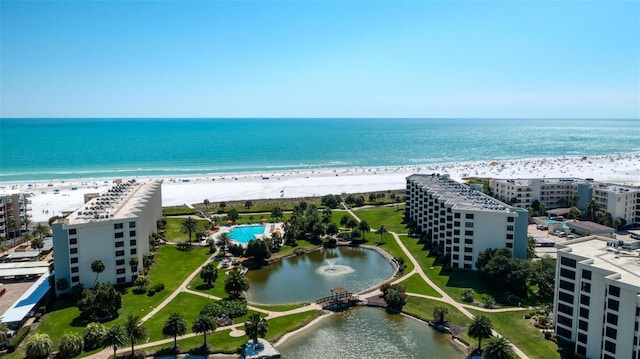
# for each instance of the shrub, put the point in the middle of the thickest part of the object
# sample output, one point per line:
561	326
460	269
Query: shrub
93	335
299	251
489	302
158	287
225	309
18	338
70	345
38	345
467	296
151	292
548	335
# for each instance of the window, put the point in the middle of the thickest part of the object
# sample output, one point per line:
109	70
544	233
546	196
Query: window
117	226
120	271
584	312
510	219
456	257
132	233
568	298
73	231
609	346
613	304
563	308
119	253
614	291
567	285
468	233
119	235
586	287
468	249
582	338
468	258
563	332
120	280
119	244
468	241
134	251
509	236
566	273
456	249
74	269
611	333
74	260
567	322
456	232
75	279
568	262
469	216
586	274
585	299
120	262
467	266
509	228
581	350
583	325
468	224
612	319
73	251
73	241
456	223
132	224
509	245
132	243
456	215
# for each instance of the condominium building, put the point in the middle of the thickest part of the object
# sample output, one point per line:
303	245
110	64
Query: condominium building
597	297
621	201
114	228
466	222
13	211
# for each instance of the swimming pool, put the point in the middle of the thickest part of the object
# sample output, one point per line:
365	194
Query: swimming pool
553	221
244	234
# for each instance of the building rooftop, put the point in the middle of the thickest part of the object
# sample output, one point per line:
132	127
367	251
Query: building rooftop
461	196
120	201
609	254
528	181
616	188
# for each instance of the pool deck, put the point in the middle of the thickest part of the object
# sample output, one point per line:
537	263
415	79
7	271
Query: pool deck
269	229
260	350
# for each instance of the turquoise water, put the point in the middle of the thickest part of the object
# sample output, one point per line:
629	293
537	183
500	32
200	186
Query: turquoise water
244	234
46	149
552	221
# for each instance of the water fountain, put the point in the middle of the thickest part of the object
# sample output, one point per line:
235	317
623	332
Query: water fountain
333	269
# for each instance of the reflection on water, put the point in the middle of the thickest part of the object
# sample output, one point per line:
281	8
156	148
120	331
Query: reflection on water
308	277
363	332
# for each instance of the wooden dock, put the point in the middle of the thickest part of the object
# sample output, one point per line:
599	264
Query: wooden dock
340	297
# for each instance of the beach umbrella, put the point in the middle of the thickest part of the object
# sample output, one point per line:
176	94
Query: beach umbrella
216	227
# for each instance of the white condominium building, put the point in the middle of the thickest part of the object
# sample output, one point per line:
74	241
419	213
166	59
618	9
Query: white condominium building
13	212
465	221
597	297
114	228
621	201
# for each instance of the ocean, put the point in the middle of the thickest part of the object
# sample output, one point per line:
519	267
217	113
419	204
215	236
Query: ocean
53	149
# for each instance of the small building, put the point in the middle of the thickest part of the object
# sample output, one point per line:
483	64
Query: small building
18	313
583	227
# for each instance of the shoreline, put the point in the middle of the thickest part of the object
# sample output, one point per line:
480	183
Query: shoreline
179	190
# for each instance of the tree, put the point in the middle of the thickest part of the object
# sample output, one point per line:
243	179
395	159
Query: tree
480	328
332	229
206	203
498	348
364	227
258	250
233	214
439	311
381	232
543	273
189	226
209	274
3	331
93	335
38	346
592	209
395	298
276	213
134	331
62	284
344	219
97	267
174	325
115	337
255	327
531	247
203	324
543	208
71	345
248	204
574	212
37	243
142	281
616	223
235	284
224	241
100	302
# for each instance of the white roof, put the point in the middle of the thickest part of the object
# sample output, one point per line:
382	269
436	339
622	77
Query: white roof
27	301
23	271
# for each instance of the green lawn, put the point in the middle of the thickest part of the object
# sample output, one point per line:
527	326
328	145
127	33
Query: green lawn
415	284
392	247
390	217
178	211
279	307
189	305
522	333
423	308
173	230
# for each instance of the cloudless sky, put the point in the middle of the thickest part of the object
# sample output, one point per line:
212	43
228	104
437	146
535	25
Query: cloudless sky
513	59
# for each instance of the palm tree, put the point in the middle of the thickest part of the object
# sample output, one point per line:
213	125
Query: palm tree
41	230
71	345
276	213
382	231
256	326
189	226
617	222
209	274
174	325
592	209
480	328
574	212
37	243
439	312
3	331
115	337
364	227
134	331
235	284
97	267
12	223
224	241
498	348
203	324
38	345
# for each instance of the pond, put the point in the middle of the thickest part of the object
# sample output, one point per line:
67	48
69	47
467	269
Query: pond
308	277
364	332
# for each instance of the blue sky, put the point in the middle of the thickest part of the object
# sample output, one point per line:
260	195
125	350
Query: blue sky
541	59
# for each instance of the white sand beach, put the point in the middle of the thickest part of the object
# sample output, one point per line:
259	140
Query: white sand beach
47	202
